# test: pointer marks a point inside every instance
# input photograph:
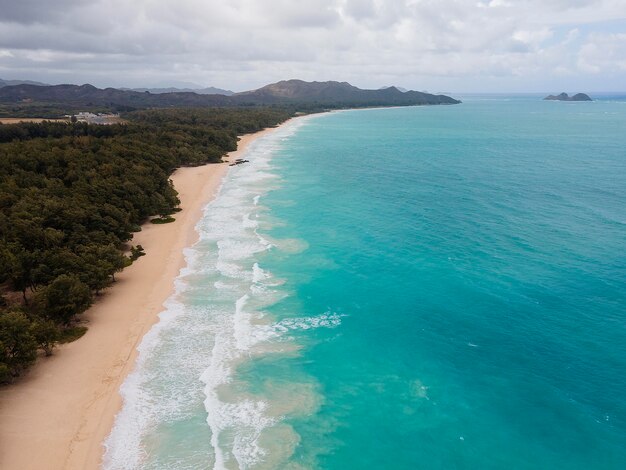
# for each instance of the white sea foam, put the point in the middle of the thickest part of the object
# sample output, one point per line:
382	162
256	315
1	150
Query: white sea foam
325	320
224	285
213	322
144	407
248	222
244	417
259	274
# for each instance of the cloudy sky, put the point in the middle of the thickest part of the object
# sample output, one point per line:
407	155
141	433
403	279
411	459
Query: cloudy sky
434	45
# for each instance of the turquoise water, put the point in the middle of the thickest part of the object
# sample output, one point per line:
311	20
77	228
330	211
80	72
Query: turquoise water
430	287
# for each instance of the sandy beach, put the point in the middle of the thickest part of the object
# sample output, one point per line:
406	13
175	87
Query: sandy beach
57	416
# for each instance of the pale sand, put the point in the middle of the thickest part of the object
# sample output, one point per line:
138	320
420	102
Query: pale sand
59	414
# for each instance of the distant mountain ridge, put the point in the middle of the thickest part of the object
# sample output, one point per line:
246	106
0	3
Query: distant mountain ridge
88	95
4	83
201	91
311	95
566	97
403	90
339	92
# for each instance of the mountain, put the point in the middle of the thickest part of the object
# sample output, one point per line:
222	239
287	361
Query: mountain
338	93
566	97
4	83
296	93
403	90
88	96
201	91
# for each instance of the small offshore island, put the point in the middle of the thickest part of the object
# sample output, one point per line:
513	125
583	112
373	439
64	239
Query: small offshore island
566	97
347	234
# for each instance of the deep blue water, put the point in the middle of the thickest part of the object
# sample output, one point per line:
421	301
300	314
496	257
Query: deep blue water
435	287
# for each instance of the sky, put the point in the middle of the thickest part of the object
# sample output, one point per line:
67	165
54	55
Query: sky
432	45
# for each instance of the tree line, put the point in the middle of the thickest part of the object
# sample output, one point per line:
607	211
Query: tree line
71	197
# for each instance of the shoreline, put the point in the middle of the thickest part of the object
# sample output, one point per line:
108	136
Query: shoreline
58	415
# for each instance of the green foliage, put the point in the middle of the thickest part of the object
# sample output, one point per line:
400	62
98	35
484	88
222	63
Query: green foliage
72	334
46	334
136	252
63	299
18	347
72	195
5	372
163	220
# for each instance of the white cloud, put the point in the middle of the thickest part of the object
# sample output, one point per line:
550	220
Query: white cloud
603	53
240	44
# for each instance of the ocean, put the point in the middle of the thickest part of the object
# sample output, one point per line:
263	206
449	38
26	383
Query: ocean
434	287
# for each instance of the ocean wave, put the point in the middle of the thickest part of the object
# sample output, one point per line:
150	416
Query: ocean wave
326	320
237	420
212	323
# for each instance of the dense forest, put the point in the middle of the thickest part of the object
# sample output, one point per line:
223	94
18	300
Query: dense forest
71	196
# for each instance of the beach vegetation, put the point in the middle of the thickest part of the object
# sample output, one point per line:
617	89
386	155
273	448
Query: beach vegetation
46	333
63	299
71	196
136	252
18	346
67	335
167	219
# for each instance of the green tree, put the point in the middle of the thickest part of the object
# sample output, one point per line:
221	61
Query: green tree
19	264
18	347
63	299
101	264
72	194
136	252
46	334
5	372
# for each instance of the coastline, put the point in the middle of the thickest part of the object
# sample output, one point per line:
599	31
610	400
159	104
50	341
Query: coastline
58	415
